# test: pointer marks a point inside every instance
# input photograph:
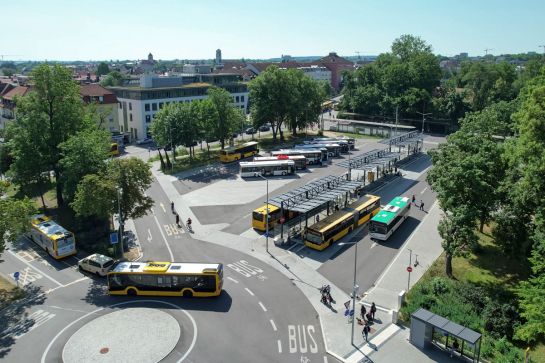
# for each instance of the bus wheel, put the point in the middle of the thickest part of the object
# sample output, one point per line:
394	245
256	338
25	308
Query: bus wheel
283	173
187	293
131	292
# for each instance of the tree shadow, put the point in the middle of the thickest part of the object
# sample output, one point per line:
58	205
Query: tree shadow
15	320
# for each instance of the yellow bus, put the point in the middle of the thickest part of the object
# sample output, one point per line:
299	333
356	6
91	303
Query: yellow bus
185	279
259	216
114	149
234	153
334	227
52	237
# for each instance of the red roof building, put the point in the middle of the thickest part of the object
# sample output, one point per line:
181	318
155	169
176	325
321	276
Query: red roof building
95	93
336	65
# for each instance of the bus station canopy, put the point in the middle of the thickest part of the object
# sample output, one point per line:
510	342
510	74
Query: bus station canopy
408	138
313	195
370	160
450	327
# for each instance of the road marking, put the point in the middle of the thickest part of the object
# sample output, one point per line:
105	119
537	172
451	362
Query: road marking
279	346
163	206
303	246
249	291
75	281
150	237
28	324
61	308
232	279
192	345
423	190
164	238
273	325
35	268
295	245
325	359
374	244
262	306
246	216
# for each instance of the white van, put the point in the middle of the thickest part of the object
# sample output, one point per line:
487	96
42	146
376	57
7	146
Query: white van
96	264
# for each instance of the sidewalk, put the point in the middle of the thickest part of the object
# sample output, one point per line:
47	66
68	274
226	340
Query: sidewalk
336	328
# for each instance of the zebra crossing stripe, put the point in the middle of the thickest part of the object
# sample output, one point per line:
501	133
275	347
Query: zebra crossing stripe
30	323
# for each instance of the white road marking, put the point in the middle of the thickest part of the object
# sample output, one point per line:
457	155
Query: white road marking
273	325
303	246
373	245
246	216
35	268
249	291
164	238
423	190
295	245
30	323
150	237
325	359
262	306
75	281
232	279
66	309
163	206
279	346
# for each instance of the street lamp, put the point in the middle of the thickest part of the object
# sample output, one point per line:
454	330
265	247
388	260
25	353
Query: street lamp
267	215
119	192
423	118
355	287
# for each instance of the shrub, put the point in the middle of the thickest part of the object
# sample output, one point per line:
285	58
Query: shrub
500	320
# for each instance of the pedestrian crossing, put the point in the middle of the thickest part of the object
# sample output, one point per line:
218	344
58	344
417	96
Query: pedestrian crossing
28	324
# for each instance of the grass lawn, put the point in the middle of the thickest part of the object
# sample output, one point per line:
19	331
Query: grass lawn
9	293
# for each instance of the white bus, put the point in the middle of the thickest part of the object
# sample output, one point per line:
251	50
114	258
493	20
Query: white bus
52	237
350	140
300	160
266	168
313	156
332	149
390	217
321	148
343	144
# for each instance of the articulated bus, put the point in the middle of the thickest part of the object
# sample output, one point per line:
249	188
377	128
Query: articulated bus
185	279
299	160
313	156
266	168
259	216
234	153
334	227
389	218
343	144
331	149
52	237
350	140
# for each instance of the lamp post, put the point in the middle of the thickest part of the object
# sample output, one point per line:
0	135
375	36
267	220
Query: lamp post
423	118
119	192
266	216
355	287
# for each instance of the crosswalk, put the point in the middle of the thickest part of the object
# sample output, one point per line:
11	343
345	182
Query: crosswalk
28	324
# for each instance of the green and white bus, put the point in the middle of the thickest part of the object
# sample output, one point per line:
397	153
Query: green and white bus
390	217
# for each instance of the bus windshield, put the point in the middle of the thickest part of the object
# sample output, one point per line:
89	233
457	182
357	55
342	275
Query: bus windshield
314	237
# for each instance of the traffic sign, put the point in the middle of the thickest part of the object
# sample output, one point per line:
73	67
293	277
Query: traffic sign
409	269
347	304
113	238
16	275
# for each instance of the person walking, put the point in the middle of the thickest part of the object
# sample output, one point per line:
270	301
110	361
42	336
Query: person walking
373	310
421	205
365	331
363	311
454	347
414	199
177	220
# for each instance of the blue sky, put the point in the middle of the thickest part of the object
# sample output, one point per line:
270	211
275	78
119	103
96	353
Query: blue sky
129	29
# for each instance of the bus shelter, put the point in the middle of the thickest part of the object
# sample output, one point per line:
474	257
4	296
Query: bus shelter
328	193
428	328
411	141
374	164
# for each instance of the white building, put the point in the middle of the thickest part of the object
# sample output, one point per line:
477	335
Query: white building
317	73
138	104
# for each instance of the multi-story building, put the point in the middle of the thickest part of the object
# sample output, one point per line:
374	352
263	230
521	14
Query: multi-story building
138	104
106	105
7	105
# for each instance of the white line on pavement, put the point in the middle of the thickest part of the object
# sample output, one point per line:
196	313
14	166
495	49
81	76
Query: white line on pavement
61	308
150	237
279	346
232	279
163	206
75	281
423	190
374	244
325	358
303	246
249	291
35	268
164	238
262	306
273	325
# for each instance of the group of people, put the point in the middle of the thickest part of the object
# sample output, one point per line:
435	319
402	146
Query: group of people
421	202
367	318
188	222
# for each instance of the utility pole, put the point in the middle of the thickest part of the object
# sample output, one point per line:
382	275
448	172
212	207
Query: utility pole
397	115
358	53
423	118
486	51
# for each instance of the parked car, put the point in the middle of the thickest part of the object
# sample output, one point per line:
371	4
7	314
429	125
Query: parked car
147	140
234	135
264	128
250	131
96	264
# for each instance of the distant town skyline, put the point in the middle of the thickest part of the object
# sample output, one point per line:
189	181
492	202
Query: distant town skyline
66	30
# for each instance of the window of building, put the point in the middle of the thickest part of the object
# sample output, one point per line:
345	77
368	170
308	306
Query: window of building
160	105
130	116
130	106
120	105
241	98
146	107
154	107
101	99
237	99
148	118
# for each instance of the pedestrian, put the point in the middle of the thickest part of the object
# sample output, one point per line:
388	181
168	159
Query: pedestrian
172	206
177	220
414	199
365	331
363	311
421	205
317	218
454	347
373	310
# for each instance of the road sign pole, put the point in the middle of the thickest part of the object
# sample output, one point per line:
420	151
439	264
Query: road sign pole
409	269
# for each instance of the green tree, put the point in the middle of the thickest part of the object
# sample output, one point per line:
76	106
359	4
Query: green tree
113	79
46	117
83	153
228	117
97	194
8	72
307	101
14	218
103	69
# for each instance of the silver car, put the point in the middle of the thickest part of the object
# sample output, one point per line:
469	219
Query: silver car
97	264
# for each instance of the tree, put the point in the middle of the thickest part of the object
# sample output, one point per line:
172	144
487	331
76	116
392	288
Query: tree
103	69
307	101
456	230
82	154
228	117
113	79
46	117
97	194
14	217
8	72
407	46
